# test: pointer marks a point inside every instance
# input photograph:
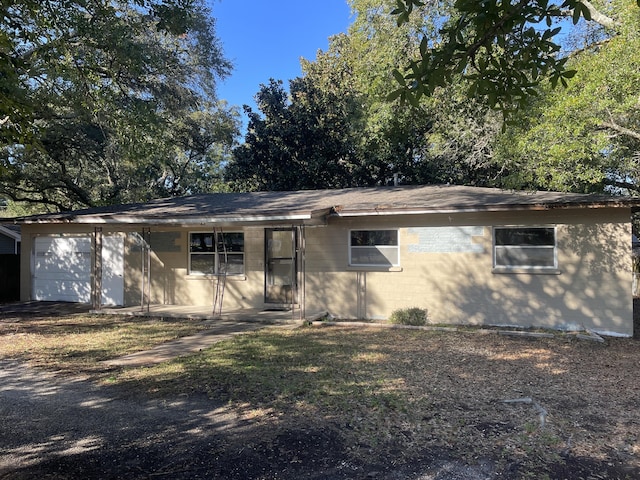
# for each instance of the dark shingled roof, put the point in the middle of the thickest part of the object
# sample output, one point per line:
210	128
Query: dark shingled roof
313	205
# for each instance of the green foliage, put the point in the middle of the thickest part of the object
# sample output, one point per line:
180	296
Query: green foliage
96	96
335	127
409	316
503	49
585	138
302	143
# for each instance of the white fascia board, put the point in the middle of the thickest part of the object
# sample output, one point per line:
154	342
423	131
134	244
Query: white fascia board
176	221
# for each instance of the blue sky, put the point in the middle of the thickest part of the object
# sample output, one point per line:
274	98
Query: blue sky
266	38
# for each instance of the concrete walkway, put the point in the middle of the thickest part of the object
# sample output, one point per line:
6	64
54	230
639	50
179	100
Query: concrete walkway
218	331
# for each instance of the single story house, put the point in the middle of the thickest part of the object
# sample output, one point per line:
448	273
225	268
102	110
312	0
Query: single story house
468	255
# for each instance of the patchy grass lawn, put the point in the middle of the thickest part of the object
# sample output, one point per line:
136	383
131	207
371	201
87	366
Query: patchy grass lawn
77	343
402	393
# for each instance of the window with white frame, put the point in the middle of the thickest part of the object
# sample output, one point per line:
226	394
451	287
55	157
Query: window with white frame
531	248
374	248
216	254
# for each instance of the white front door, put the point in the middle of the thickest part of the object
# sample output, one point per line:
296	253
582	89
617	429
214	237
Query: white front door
112	270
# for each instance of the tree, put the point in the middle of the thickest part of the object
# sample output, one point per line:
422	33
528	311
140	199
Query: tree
336	127
302	141
504	49
95	95
586	137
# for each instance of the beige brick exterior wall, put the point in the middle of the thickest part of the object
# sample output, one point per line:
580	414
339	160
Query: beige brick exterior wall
592	288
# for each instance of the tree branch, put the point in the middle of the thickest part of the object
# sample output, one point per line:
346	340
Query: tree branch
611	125
492	32
599	17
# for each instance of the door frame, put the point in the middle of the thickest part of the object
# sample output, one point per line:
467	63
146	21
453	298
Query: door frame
293	300
114	244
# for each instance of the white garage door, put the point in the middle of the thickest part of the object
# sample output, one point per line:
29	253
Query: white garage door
62	269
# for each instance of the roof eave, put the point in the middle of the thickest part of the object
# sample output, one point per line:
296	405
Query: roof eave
382	210
312	218
10	233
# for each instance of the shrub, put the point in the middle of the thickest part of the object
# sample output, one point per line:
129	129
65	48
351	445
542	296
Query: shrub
409	316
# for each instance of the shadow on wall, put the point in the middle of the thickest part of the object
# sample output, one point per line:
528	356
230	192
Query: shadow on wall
341	293
170	283
590	291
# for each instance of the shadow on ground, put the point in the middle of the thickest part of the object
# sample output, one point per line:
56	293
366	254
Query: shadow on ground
61	428
41	309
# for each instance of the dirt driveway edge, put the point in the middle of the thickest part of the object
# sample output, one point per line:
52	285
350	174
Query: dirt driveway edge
61	427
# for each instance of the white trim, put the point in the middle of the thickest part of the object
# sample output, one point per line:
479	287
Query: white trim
127	219
215	254
374	265
507	207
525	268
10	233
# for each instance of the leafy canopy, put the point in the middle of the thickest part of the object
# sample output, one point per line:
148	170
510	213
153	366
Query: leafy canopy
586	137
107	101
335	127
504	49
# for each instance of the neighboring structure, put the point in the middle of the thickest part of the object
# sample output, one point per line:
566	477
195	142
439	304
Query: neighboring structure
9	262
468	255
9	239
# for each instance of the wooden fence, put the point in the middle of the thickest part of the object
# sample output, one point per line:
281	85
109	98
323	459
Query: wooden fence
9	278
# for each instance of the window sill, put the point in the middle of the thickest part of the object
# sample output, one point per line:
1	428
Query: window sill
527	271
235	278
368	268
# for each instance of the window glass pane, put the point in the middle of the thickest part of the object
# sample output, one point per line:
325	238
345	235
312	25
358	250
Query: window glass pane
204	252
370	238
525	257
201	242
231	242
374	256
280	243
525	236
233	263
281	272
529	247
202	264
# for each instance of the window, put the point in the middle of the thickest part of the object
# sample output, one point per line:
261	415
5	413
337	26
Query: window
525	247
209	257
374	248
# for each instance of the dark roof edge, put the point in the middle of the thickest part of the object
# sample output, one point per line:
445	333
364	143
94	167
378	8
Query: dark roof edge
340	211
7	231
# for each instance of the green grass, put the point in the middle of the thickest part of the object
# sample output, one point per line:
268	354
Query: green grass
78	343
394	389
311	369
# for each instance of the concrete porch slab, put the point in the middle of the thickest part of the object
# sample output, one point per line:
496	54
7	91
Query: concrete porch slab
206	314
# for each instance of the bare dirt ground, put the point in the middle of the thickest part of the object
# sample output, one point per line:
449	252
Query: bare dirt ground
68	428
366	404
